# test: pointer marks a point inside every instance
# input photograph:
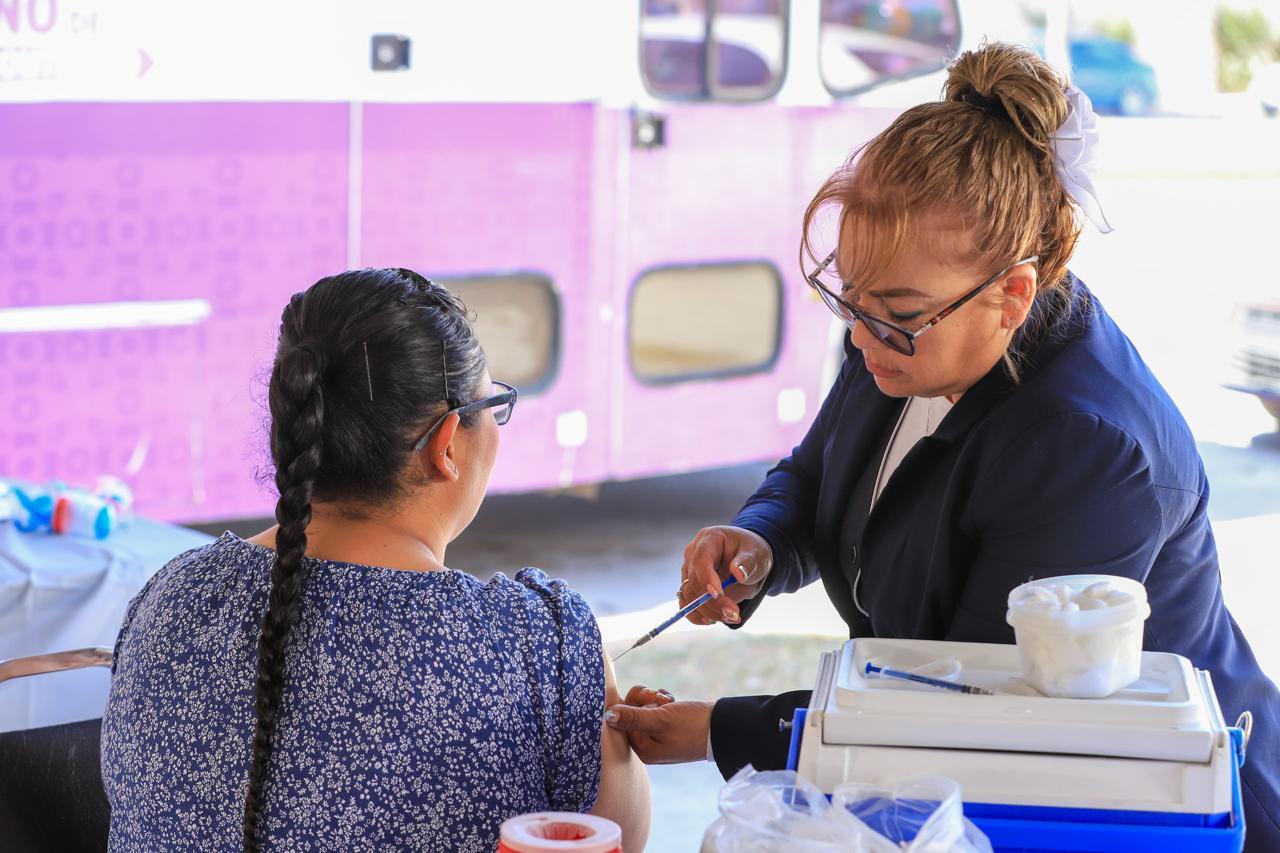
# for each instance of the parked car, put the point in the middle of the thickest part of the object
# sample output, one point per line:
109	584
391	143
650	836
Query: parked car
1115	80
1255	364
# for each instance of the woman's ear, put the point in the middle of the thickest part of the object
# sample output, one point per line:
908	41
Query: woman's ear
1019	289
439	461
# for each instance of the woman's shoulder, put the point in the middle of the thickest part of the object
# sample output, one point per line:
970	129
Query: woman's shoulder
186	590
227	549
1087	367
535	590
195	565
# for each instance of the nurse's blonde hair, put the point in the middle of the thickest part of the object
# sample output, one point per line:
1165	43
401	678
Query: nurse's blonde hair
977	165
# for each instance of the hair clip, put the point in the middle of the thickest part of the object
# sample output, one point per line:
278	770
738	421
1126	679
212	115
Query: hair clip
444	364
368	374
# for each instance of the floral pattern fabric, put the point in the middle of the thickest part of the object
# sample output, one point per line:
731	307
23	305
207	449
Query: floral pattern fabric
420	709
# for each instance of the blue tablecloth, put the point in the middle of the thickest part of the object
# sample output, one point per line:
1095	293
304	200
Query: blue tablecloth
68	592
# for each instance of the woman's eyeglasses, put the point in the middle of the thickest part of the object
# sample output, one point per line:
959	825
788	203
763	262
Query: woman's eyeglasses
892	335
503	403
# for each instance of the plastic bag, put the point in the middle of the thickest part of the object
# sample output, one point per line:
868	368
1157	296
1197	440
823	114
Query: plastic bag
779	811
922	815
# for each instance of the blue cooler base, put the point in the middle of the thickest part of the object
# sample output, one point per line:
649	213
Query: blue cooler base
1014	829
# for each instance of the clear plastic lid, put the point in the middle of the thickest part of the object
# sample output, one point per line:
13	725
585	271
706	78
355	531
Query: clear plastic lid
1164	714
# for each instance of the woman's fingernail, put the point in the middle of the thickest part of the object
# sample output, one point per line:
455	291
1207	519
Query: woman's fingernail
609	716
733	616
715	592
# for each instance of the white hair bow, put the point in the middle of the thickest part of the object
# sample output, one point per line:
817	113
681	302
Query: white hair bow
1073	156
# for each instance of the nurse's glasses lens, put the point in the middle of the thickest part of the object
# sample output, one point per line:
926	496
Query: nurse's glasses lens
893	338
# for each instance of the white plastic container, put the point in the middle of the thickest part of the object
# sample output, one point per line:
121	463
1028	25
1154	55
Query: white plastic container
559	832
1079	636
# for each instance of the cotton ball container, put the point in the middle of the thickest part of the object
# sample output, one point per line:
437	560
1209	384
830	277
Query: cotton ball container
1079	636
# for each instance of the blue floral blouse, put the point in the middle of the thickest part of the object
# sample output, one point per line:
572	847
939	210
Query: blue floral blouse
420	709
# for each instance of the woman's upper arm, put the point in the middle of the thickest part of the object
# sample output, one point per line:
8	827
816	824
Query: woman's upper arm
593	768
130	612
624	784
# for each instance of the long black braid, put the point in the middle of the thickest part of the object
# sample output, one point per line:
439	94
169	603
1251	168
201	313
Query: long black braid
297	408
380	334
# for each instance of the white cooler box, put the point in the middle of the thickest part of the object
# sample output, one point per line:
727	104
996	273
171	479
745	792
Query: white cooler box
1152	767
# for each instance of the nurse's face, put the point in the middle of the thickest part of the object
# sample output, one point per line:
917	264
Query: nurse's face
963	346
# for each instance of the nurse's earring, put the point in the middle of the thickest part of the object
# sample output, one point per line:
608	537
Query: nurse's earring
1009	318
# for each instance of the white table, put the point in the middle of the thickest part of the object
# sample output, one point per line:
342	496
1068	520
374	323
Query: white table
68	592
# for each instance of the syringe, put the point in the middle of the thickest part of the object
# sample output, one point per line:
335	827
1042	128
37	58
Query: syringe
683	612
924	679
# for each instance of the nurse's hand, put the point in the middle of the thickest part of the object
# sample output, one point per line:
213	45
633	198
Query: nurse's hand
715	554
660	730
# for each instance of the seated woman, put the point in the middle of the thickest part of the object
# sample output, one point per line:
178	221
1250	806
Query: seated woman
331	683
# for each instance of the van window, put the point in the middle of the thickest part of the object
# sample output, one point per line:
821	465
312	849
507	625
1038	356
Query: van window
704	321
517	319
867	42
737	51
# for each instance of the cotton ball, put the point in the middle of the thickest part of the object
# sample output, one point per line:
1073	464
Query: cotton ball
1117	597
1070	607
1039	598
1063	592
1087	603
1099	590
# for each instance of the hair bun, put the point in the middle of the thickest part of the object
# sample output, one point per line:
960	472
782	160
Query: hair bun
1029	91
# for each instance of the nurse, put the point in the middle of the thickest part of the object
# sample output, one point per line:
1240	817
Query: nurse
990	424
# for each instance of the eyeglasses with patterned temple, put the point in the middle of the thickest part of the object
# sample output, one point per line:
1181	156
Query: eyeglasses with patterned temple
892	335
503	403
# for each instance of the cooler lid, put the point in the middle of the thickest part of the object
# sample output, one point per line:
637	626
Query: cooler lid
1169	713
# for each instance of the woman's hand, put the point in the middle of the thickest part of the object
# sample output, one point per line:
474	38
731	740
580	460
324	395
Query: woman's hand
660	729
715	554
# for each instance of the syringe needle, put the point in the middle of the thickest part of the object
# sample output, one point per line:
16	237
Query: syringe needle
638	643
683	612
